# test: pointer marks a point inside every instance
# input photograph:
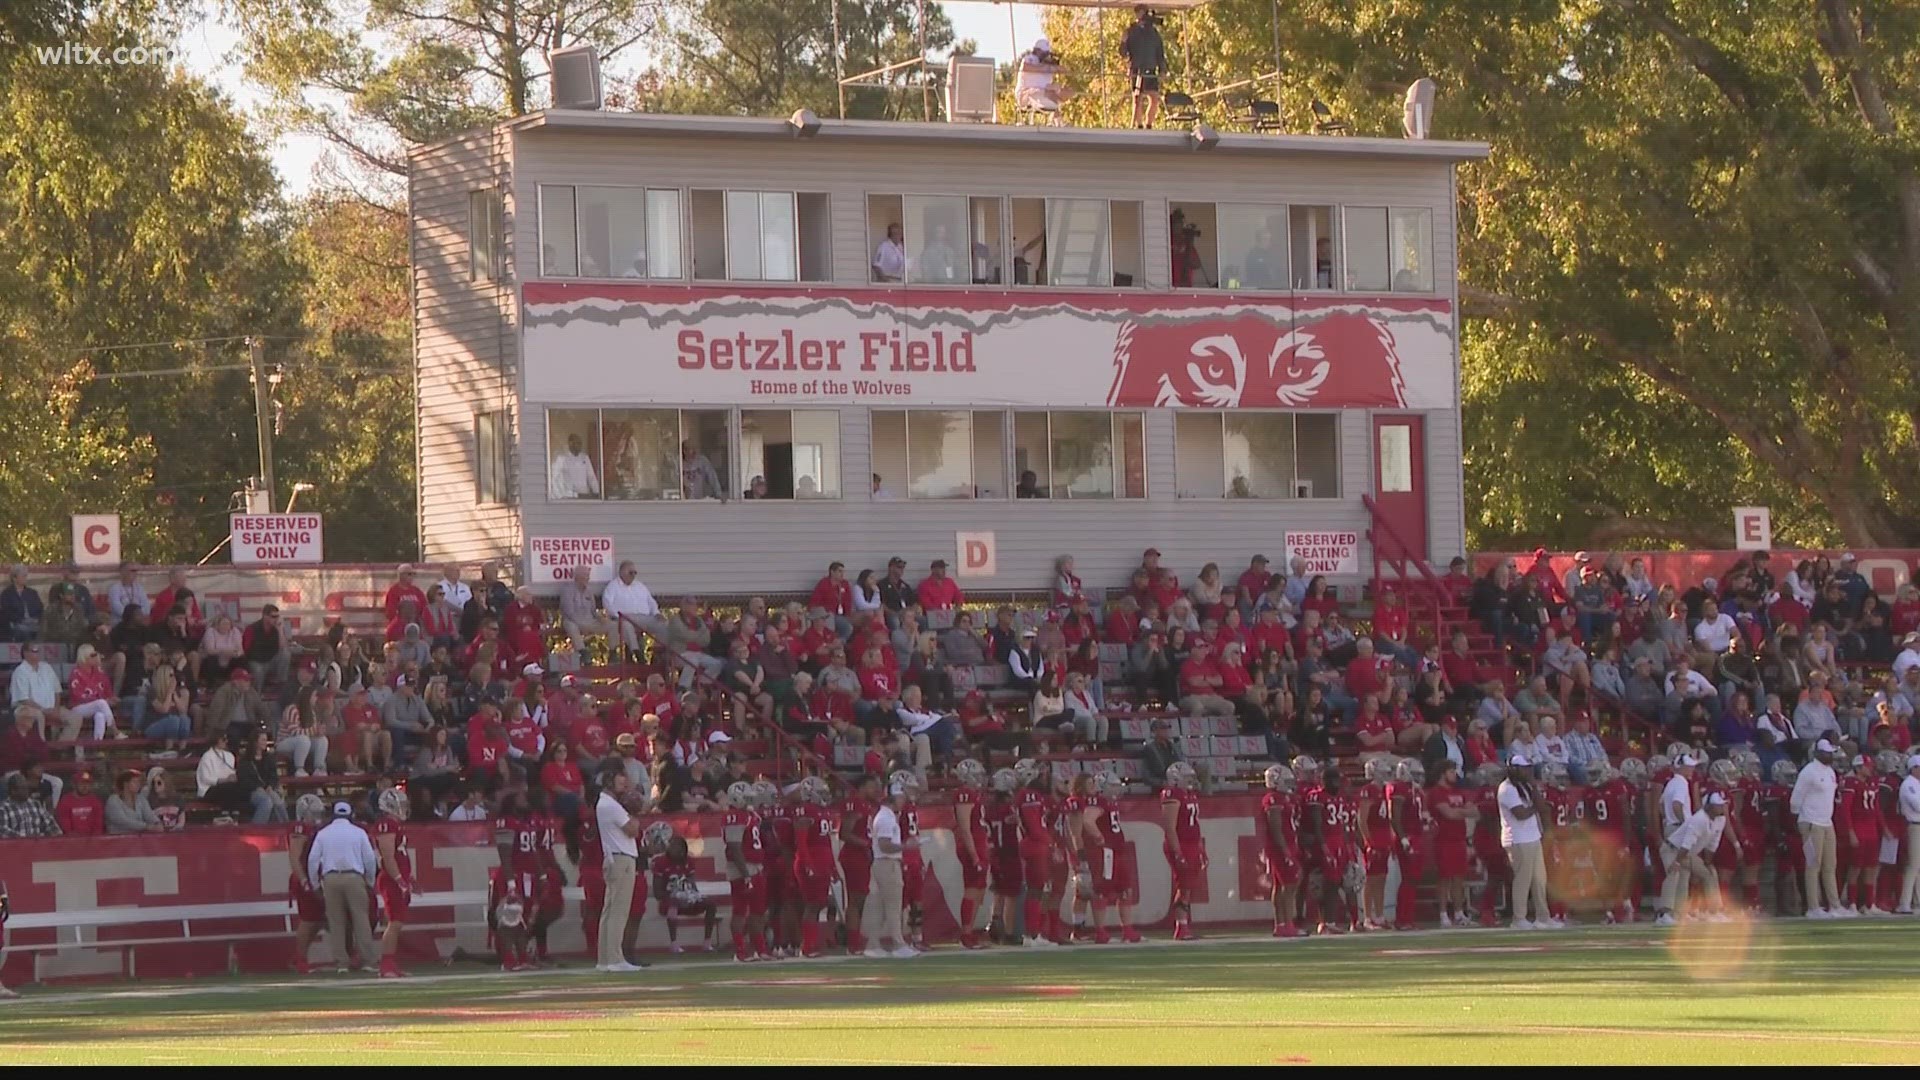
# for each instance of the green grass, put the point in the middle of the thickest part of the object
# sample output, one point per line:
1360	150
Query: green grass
1762	994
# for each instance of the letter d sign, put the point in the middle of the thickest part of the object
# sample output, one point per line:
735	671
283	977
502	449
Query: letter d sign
976	555
1752	528
96	539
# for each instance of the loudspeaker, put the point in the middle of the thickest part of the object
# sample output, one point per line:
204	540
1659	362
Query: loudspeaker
970	89
1417	117
576	77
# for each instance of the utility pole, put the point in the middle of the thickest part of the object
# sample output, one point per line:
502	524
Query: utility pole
262	412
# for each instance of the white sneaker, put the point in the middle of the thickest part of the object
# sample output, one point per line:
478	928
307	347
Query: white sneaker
300	772
675	949
1819	913
6	994
1666	919
1446	922
1719	917
1903	911
1848	912
620	968
1522	924
1554	924
875	952
905	952
320	770
1878	913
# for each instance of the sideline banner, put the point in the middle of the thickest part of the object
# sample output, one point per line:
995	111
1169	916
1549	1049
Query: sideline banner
671	345
240	868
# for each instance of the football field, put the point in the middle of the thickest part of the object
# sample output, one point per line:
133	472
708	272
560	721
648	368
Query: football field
1765	993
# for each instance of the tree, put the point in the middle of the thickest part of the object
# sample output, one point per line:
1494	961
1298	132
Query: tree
371	76
768	58
1692	264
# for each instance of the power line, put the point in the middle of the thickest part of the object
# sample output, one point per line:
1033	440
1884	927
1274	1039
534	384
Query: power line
179	342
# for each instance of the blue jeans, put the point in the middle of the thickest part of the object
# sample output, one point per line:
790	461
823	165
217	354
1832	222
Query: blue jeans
1592	623
941	735
172	727
263	806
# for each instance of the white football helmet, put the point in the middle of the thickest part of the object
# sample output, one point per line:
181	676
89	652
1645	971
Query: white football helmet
816	791
655	838
1306	768
1410	771
1785	773
904	783
1599	772
1749	766
395	804
1678	750
1379	769
1889	762
309	808
1026	770
1278	777
740	794
1006	781
1112	785
1553	774
765	793
1723	772
1659	763
970	773
1634	770
1181	775
1490	773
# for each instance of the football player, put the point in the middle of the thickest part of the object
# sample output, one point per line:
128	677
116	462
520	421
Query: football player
1652	820
746	872
1723	779
1750	819
1609	813
1335	838
1074	874
309	907
1412	822
521	834
1280	812
678	888
1455	813
1487	849
1783	837
1110	856
856	856
1891	765
1003	830
814	867
913	866
1563	811
395	880
1039	911
783	917
1857	825
1185	849
970	841
1309	792
1377	840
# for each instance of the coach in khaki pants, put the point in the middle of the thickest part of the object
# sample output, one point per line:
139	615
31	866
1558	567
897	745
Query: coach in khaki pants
1812	805
619	832
889	940
342	860
1520	835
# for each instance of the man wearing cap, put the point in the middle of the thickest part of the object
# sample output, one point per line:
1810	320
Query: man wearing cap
1853	584
1160	751
896	592
1910	813
403	588
1253	584
938	592
342	860
1520	837
1686	855
20	608
264	647
1037	84
405	716
1201	682
888	881
1163	585
619	831
1812	806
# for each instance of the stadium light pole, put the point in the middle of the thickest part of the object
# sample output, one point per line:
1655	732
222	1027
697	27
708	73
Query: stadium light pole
262	412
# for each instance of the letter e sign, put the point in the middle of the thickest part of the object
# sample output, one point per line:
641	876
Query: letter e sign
1752	528
977	558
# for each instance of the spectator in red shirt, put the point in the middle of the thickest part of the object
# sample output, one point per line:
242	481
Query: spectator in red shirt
1372	729
1367	672
1078	625
562	779
1254	581
589	740
1390	628
486	742
938	592
833	594
1319	597
1552	589
408	615
1201	683
1457	582
178	592
1123	621
22	742
879	690
81	813
401	590
521	625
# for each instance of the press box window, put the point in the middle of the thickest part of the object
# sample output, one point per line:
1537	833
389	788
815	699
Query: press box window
940	454
574	454
943	239
610	232
490	457
484	226
638	454
1255	455
760	236
789	454
1079	455
1312	246
1389	249
1077	243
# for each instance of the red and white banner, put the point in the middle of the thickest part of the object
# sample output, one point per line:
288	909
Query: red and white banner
654	344
225	875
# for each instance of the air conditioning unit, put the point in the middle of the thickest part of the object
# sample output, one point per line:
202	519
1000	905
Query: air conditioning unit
970	89
576	77
1303	489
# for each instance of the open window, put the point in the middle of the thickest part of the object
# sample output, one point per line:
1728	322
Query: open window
1257	455
939	454
1193	245
1312	246
789	454
1079	455
610	232
761	236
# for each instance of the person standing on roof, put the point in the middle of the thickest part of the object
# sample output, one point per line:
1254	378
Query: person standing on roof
1146	57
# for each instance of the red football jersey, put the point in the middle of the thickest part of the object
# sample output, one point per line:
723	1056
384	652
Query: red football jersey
910	828
977	799
1610	806
528	842
402	858
742	827
858	813
1186	818
1107	823
1278	807
1066	818
1858	806
814	828
1003	825
1031	805
1338	816
1748	813
1486	838
592	853
1410	800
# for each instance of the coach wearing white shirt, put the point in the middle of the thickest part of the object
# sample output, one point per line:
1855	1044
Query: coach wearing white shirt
452	589
628	595
1910	810
34	680
1676	799
1812	806
889	940
1520	835
1685	854
342	862
618	833
1714	632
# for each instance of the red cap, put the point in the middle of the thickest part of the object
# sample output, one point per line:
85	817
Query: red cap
241	675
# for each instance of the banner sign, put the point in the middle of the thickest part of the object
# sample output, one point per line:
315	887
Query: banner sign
551	559
1325	552
1752	528
96	539
216	880
653	344
264	539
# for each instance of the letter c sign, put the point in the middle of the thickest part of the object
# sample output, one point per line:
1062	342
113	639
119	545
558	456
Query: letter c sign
96	539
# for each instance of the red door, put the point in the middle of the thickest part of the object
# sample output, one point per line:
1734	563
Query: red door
1400	485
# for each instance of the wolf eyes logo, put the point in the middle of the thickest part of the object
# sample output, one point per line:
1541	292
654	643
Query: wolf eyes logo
1343	360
